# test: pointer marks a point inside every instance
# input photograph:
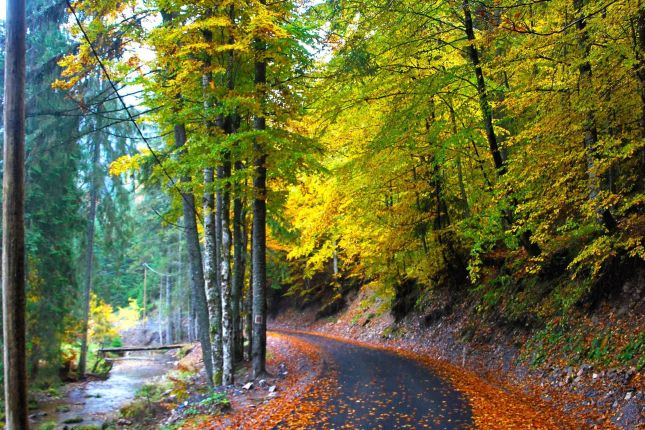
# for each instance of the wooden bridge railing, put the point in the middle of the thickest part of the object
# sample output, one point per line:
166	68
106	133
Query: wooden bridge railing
124	349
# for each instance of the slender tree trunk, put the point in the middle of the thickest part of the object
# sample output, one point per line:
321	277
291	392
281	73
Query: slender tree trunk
335	259
169	321
180	285
195	264
179	335
212	238
590	140
460	175
159	312
248	307
192	315
89	257
239	265
487	115
145	294
224	173
637	25
421	228
640	50
484	103
258	254
211	277
13	231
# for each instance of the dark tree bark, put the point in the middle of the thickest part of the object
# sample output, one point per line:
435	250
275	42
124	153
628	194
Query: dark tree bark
484	103
640	56
639	43
13	232
487	113
248	307
224	176
180	268
258	253
168	306
460	175
239	234
590	139
195	265
192	316
89	256
239	265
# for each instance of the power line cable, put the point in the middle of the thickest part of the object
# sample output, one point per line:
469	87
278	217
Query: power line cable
127	110
158	273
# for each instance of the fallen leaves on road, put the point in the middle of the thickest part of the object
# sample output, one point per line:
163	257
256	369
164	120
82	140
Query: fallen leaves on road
493	408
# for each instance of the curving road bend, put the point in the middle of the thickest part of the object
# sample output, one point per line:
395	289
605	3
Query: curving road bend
377	389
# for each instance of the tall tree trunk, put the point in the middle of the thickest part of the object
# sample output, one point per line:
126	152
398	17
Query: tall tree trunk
484	103
179	286
258	254
248	307
590	140
638	40
211	277
145	294
169	321
195	264
192	315
223	174
460	175
13	232
641	79
239	265
212	236
89	257
487	115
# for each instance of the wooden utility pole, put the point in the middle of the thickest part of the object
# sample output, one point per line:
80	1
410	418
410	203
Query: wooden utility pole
13	231
159	313
145	292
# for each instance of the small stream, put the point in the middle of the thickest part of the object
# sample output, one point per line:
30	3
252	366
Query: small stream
97	401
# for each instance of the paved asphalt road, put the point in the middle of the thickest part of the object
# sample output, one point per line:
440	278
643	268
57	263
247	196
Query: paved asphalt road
376	389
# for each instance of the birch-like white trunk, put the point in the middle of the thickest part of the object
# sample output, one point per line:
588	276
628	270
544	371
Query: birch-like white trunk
228	350
210	275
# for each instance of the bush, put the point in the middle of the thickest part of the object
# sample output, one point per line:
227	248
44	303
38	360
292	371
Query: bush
117	342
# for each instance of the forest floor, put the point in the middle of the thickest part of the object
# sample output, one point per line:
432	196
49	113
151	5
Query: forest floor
293	367
595	397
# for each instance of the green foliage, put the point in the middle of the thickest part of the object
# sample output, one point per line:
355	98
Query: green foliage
577	343
116	342
215	398
137	410
634	350
153	392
